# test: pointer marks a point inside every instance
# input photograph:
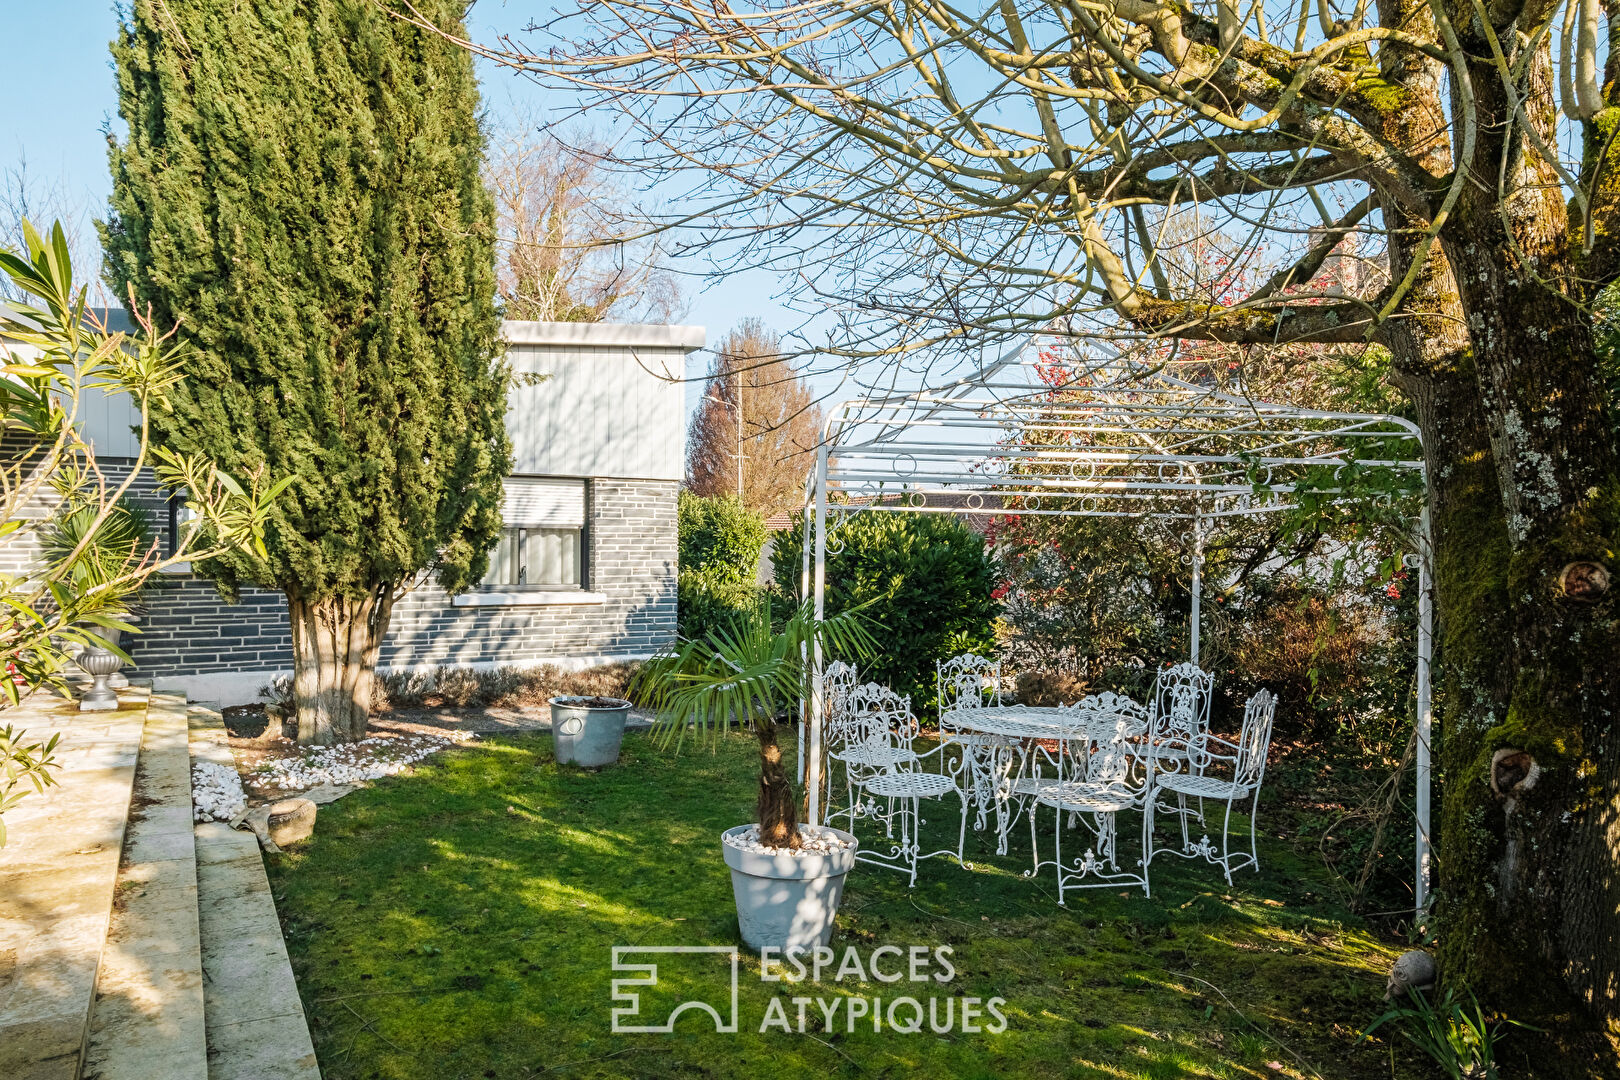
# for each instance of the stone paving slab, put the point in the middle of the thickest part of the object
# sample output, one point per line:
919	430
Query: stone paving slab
255	1019
57	875
148	1017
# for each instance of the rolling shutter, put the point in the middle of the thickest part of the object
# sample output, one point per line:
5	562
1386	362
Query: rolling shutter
558	504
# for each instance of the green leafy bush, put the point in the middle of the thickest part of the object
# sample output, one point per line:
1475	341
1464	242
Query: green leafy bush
719	545
930	580
719	534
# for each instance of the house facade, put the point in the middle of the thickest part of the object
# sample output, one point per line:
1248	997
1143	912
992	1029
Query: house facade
584	573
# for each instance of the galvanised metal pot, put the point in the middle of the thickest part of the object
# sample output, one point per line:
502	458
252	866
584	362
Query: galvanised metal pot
586	733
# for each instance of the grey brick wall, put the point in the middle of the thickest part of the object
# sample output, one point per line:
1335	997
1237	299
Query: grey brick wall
190	630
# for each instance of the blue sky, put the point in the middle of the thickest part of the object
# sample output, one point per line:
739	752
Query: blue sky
60	99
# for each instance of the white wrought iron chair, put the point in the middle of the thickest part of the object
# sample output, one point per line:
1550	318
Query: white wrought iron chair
1181	699
837	681
1239	770
1043	767
1115	779
965	683
891	779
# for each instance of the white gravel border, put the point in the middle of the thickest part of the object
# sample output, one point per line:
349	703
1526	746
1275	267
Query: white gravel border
814	840
350	763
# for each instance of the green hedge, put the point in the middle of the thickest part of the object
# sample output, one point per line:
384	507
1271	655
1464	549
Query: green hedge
719	546
930	582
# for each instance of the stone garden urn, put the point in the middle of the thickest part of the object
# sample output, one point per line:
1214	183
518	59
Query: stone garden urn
101	665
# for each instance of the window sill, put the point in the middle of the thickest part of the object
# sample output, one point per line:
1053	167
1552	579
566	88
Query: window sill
529	598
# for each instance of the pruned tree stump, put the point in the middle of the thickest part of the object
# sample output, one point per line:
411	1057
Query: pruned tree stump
279	824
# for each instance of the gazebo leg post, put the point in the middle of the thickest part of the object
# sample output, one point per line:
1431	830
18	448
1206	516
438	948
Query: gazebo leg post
1425	719
817	700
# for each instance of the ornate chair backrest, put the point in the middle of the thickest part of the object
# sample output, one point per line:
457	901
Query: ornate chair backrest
836	683
1112	704
963	681
880	718
1096	754
1111	760
1181	697
1255	739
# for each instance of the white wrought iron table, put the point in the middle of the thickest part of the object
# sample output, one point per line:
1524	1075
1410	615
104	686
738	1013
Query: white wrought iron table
990	769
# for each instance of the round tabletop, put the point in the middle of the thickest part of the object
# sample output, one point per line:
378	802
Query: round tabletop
1019	721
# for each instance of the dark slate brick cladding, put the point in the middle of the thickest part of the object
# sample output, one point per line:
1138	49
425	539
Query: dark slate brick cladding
189	629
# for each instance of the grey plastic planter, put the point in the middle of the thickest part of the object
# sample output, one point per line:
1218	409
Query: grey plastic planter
786	901
587	734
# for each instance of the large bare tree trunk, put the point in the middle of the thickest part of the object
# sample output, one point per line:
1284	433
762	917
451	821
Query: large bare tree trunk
335	647
1525	495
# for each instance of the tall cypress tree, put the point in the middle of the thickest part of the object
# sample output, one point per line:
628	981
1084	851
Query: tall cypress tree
299	191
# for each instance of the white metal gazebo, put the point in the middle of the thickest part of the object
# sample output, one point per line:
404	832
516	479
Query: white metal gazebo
1111	438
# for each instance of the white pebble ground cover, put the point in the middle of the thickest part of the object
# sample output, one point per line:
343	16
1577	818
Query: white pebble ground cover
216	792
369	759
813	840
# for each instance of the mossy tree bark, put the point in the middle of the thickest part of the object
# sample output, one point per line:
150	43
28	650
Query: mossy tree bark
1523	487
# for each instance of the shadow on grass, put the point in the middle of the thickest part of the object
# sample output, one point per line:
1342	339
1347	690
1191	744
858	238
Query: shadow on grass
460	922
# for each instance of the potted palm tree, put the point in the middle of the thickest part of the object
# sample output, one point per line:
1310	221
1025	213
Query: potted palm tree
787	878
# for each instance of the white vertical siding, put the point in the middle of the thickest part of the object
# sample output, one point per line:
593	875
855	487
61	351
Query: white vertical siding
611	407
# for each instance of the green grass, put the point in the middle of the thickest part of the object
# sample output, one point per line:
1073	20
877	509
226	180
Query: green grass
459	922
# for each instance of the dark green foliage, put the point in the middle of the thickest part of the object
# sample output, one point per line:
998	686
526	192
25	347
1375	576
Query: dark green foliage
721	535
720	542
299	190
1606	339
1101	600
931	582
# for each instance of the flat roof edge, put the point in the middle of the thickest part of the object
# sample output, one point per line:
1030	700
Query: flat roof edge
603	335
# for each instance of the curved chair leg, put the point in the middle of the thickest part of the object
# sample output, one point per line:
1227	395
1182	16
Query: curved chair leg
1057	851
1034	849
961	834
1147	843
1149	798
915	838
1226	842
1254	818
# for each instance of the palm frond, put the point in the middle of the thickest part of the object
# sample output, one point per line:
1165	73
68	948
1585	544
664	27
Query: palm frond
741	673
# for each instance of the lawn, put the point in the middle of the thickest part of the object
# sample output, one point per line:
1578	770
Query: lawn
459	922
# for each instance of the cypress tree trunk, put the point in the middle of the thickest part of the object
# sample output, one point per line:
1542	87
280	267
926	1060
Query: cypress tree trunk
335	646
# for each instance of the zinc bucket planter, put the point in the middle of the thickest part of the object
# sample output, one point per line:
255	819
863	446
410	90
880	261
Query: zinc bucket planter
786	901
588	731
